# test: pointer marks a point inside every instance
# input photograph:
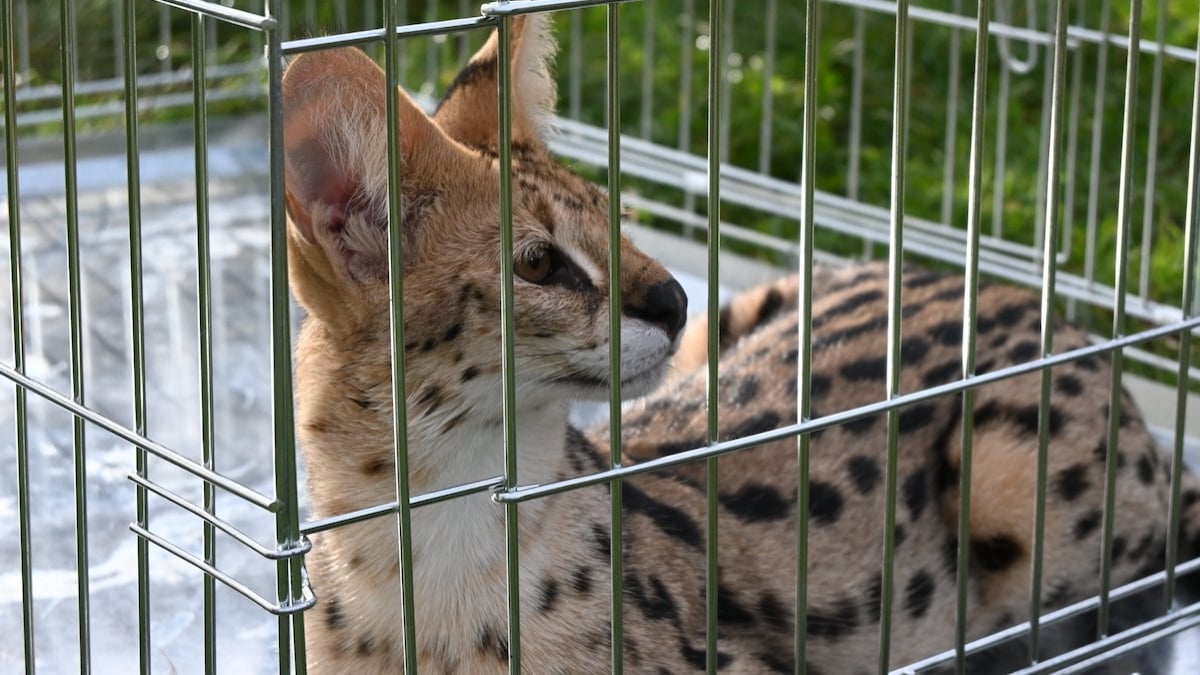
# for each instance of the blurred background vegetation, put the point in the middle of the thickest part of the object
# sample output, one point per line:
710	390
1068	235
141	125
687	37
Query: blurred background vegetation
664	53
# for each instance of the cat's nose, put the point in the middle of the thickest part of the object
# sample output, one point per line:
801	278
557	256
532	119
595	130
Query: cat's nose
663	304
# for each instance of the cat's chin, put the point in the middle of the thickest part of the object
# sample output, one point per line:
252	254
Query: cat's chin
585	388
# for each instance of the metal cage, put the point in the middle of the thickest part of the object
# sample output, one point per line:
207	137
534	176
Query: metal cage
153	515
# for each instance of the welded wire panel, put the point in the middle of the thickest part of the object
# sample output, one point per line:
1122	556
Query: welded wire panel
709	120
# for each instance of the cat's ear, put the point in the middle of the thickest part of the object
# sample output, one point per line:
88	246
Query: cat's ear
469	113
335	149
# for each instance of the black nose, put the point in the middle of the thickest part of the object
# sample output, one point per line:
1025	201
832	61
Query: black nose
663	304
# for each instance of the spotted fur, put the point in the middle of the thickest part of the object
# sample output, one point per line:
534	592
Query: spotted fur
335	137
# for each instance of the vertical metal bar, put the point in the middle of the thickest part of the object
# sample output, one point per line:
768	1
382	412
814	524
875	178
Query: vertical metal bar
68	45
137	328
1039	220
685	77
768	94
21	418
804	326
715	81
1093	205
726	99
616	550
392	73
1068	229
970	313
1191	250
1152	152
648	41
23	32
895	263
204	339
949	160
164	39
508	332
1049	270
1121	274
288	573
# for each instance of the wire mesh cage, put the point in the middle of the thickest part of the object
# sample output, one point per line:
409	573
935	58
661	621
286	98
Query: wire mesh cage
156	512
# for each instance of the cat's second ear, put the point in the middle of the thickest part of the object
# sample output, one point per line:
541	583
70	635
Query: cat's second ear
335	149
469	110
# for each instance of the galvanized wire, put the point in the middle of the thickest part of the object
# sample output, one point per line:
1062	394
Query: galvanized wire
812	39
895	300
68	45
1121	272
1052	193
404	537
970	315
617	538
17	309
716	84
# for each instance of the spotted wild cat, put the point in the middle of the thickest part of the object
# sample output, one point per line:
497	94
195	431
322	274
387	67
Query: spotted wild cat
336	193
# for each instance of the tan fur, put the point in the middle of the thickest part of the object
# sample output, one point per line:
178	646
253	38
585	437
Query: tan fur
451	251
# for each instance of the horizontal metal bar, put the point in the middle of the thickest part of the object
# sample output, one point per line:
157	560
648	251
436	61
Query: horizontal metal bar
391	508
269	553
1177	625
378	34
522	494
1014	632
158	450
1075	34
309	599
505	8
1098	651
227	14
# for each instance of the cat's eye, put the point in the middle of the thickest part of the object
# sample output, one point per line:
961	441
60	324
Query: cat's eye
533	268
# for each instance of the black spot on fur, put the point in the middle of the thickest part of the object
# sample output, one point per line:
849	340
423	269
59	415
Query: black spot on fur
916	416
950	554
1145	470
334	618
763	421
778	663
1010	315
819	386
899	534
1068	385
1024	416
770	306
581	580
669	519
1087	524
747	389
946	372
916	492
874	601
729	610
601	541
361	402
1118	548
918	594
366	646
995	553
656	603
913	350
452	332
861	425
865	473
470	373
492	641
848	305
869	368
1089	363
984	324
1072	482
834	622
549	596
756	502
774	613
824	502
1026	350
948	332
699	658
